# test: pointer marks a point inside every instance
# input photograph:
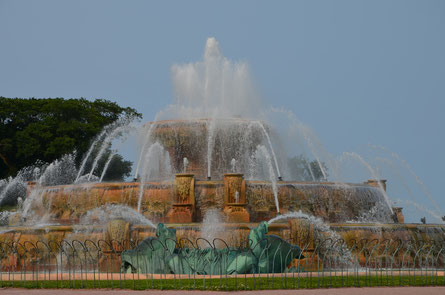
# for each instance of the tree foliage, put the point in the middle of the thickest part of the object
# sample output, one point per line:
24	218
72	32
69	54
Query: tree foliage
46	129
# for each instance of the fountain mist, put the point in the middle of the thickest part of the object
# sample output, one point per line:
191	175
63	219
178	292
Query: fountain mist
214	87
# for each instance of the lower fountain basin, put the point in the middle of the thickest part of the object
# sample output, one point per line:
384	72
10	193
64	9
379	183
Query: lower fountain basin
333	203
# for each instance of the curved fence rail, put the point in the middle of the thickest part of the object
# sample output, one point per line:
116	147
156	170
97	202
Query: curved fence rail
203	264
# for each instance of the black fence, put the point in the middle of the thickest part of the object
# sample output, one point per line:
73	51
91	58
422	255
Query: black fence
203	264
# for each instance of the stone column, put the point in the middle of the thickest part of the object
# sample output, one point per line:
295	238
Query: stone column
117	236
183	207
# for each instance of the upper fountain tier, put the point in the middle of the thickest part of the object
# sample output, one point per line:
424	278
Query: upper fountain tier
222	91
213	146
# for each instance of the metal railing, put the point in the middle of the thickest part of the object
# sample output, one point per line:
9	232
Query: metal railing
204	264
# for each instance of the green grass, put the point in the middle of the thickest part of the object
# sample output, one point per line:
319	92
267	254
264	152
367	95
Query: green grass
240	283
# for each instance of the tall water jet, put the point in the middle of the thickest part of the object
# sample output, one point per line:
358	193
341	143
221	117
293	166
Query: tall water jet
214	87
60	171
233	164
210	144
317	222
310	170
107	163
12	188
88	154
184	165
106	144
146	141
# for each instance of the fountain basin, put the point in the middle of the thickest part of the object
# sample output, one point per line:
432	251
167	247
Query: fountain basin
241	200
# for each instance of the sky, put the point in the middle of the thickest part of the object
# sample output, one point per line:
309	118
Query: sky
359	73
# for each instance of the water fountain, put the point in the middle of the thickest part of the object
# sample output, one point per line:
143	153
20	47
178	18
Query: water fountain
212	156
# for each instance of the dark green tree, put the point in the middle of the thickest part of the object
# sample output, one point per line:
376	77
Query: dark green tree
46	129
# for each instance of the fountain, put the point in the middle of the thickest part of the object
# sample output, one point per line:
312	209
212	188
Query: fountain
211	156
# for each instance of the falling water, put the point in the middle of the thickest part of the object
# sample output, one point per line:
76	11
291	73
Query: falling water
317	158
212	225
35	195
301	131
4	219
106	143
373	174
271	148
90	150
13	187
310	169
156	162
318	222
210	145
262	157
147	138
60	171
320	227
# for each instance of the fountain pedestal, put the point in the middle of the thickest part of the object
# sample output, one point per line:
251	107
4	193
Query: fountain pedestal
117	239
235	198
183	207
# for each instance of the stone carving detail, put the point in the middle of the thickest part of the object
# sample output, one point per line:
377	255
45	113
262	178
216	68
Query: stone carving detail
183	207
235	198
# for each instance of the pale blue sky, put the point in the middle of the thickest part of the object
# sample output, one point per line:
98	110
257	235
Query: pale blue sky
357	72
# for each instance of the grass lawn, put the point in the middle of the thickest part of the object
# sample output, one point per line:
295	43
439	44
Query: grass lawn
239	283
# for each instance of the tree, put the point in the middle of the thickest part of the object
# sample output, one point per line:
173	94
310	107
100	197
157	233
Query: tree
305	170
46	129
